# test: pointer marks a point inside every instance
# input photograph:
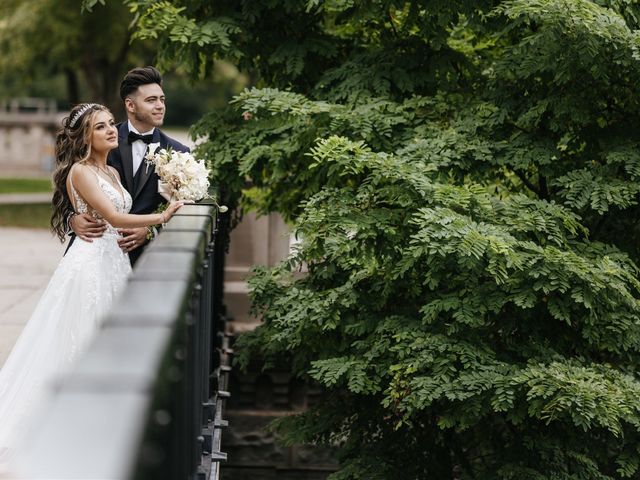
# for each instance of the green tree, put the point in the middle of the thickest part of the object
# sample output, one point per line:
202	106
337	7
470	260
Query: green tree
463	177
46	38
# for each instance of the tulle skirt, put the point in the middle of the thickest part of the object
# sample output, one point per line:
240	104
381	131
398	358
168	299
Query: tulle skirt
81	291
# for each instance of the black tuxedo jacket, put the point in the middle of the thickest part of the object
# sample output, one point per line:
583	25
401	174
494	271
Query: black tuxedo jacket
143	187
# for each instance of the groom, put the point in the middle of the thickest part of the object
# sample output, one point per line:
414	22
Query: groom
143	97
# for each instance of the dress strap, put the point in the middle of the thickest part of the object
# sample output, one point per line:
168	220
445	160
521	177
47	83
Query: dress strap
74	194
76	200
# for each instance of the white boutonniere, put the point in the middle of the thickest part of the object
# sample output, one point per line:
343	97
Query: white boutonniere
152	150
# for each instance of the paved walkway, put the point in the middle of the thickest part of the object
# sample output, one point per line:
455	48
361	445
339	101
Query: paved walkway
29	257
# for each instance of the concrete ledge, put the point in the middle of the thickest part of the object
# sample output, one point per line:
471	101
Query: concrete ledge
21	198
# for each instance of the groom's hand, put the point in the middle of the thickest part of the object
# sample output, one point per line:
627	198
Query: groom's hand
86	227
132	238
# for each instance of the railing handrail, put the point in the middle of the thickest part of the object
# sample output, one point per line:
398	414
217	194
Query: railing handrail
145	400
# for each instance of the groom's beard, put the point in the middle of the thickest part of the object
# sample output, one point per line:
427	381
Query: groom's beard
149	118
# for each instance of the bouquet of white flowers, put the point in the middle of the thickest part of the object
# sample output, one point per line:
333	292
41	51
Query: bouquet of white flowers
182	177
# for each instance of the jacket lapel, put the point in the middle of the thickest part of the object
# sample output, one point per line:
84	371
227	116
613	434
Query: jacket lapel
126	157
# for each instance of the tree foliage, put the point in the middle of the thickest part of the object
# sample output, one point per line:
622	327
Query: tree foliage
53	37
464	179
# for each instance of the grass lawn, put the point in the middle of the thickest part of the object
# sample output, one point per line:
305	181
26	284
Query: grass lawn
25	185
32	215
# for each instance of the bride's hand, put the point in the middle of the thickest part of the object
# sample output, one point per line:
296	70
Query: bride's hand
172	209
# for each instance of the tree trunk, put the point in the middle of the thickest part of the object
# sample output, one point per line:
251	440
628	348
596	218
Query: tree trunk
112	76
73	92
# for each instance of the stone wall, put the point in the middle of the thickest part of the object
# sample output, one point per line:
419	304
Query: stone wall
258	397
27	136
26	150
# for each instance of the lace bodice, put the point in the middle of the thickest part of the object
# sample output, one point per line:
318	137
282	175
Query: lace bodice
121	199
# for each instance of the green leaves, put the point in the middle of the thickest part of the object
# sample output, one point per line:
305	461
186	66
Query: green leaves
596	190
444	302
463	178
350	371
588	396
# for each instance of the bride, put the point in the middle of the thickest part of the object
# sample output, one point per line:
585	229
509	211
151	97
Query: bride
88	277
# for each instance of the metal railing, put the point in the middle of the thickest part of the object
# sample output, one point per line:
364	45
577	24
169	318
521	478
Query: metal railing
146	400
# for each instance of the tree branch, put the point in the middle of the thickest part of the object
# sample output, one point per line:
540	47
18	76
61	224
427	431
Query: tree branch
542	187
393	27
523	178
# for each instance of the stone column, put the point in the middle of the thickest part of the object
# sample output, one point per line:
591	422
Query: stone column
258	397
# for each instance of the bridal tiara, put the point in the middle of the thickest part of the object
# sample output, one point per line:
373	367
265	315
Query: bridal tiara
81	112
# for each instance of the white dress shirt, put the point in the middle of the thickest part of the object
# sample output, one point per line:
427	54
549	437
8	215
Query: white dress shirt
139	148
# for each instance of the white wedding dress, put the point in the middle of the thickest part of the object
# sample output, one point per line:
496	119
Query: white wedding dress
79	294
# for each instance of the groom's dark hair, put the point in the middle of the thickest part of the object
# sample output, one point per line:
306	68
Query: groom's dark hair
136	77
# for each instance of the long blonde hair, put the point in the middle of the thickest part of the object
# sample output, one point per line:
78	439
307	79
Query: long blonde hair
73	145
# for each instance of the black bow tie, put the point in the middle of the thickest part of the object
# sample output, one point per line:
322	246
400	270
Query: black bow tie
133	136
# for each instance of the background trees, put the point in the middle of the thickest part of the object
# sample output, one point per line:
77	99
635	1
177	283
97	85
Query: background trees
464	178
48	38
55	49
